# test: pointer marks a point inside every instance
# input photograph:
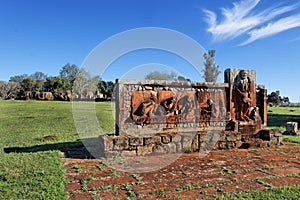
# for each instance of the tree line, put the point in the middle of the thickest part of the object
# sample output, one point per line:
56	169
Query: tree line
274	98
30	86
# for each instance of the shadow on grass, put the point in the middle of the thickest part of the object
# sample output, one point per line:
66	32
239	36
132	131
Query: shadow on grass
281	120
84	148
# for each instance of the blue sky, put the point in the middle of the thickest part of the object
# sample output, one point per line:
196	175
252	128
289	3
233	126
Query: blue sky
261	35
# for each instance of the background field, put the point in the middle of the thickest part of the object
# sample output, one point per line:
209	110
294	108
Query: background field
44	129
278	116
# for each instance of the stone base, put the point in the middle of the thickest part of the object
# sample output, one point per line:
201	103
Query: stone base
249	128
292	128
129	145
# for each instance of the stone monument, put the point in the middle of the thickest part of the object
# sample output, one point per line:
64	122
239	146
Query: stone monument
155	116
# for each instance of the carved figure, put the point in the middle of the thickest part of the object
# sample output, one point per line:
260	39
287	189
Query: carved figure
207	112
186	106
253	113
242	100
144	111
170	104
155	107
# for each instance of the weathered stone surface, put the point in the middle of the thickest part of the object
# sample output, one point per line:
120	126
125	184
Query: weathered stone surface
145	150
160	149
176	138
121	143
238	144
187	140
172	148
291	128
148	140
172	116
110	154
195	143
106	143
178	147
165	139
249	128
128	153
136	141
231	137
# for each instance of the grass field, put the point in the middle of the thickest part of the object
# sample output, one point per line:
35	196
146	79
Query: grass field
278	116
39	174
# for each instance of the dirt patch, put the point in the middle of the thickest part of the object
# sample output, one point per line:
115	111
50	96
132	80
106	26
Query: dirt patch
189	177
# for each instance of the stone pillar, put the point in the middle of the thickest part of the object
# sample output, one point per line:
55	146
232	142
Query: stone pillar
292	128
117	108
261	103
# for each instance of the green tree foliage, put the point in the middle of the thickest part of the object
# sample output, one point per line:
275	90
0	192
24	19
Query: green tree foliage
39	76
8	90
211	71
52	84
157	75
85	83
69	72
182	78
18	79
106	88
274	98
68	75
28	84
110	88
102	86
21	86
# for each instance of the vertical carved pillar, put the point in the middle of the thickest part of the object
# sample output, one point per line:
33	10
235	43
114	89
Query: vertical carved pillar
117	107
261	96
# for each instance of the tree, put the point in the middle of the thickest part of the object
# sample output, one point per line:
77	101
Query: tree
102	86
8	90
85	83
57	85
274	98
69	72
285	100
211	71
157	75
110	88
28	84
19	78
182	78
68	75
39	76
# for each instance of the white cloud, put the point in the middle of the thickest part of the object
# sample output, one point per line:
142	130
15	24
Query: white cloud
273	28
242	18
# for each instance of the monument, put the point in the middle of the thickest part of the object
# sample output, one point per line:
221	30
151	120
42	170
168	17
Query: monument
155	116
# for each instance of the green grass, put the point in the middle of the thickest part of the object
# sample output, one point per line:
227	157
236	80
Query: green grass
292	138
25	123
33	175
279	116
105	115
273	193
38	173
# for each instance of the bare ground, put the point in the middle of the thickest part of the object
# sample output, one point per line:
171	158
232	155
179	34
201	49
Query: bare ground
189	177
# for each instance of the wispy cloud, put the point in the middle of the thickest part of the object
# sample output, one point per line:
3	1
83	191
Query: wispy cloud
273	28
243	18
